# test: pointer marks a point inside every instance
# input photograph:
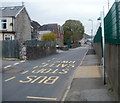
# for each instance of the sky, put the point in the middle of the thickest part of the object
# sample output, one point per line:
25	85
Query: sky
58	11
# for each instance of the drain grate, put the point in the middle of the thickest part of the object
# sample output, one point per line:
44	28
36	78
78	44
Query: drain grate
91	52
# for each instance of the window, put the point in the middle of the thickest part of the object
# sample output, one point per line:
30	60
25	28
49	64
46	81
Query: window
3	24
9	37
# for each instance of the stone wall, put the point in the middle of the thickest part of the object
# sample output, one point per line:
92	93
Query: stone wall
34	52
112	66
39	51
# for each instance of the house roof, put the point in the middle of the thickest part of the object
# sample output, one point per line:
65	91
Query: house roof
51	27
12	11
86	35
35	25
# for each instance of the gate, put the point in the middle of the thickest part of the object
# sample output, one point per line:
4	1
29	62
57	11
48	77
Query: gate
10	49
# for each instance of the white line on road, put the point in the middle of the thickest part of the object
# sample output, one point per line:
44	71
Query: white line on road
7	66
43	63
16	63
65	95
22	61
44	98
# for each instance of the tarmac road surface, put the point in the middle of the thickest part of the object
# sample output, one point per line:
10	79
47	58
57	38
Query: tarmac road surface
44	79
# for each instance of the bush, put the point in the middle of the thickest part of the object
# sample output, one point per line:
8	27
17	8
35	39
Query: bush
48	37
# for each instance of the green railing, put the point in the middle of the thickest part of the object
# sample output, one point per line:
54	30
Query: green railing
112	25
98	36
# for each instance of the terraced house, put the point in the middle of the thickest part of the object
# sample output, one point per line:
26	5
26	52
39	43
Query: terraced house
15	23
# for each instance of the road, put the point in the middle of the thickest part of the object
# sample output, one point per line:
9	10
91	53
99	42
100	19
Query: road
44	79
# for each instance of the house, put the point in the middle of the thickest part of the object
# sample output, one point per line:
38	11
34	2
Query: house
41	33
61	35
86	38
55	28
15	23
34	29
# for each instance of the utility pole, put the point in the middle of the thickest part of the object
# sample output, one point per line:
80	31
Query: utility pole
91	29
103	43
108	5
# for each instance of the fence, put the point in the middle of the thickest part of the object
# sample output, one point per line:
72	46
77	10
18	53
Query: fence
10	49
112	47
28	50
112	25
98	36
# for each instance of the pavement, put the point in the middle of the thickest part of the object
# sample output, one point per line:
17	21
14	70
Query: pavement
87	83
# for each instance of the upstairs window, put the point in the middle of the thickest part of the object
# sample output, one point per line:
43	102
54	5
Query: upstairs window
3	24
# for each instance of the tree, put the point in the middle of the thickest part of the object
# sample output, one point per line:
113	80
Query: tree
73	30
48	37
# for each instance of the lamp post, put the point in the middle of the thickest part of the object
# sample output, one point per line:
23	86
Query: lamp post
103	45
117	0
108	4
91	30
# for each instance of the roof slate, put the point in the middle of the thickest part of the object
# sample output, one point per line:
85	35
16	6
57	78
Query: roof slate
35	25
10	11
50	27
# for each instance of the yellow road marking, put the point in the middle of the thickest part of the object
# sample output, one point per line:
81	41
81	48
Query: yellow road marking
74	61
65	61
41	98
54	71
58	65
51	65
36	79
35	67
64	65
51	80
9	79
58	61
25	72
44	65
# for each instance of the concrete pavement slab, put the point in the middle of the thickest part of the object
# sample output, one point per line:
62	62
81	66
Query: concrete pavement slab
96	95
90	60
87	84
87	72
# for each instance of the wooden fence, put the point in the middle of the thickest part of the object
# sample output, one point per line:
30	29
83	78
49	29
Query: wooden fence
10	49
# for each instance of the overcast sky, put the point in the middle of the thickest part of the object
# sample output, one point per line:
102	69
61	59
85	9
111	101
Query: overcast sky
58	11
